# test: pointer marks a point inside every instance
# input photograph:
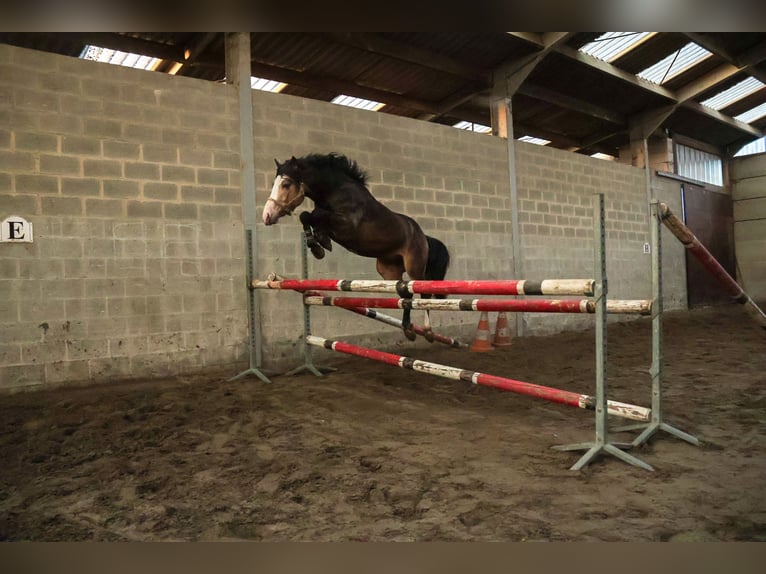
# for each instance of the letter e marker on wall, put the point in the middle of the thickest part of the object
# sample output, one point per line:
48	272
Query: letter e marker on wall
15	229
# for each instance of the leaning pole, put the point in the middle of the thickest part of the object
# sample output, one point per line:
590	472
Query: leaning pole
690	241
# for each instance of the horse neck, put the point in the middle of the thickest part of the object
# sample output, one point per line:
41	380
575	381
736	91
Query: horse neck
328	187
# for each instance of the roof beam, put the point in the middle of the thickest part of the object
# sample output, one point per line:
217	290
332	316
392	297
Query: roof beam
511	74
709	80
530	37
722	118
412	54
195	48
614	72
571	103
747	60
339	86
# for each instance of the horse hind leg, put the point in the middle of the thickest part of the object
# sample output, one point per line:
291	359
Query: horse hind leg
416	259
394	270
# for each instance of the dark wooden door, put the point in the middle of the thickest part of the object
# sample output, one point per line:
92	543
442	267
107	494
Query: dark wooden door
709	215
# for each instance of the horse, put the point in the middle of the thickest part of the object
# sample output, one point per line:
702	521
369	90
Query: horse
347	213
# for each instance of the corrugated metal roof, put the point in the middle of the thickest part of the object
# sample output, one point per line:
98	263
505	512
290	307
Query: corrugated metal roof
446	77
732	94
611	45
127	59
675	64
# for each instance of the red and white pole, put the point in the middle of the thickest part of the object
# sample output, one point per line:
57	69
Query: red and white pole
639	306
409	288
546	393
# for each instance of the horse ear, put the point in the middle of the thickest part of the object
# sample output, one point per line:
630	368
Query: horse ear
276	161
293	159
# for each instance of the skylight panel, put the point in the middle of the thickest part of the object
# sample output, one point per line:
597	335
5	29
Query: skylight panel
358	103
675	63
611	45
266	85
751	115
472	127
128	59
758	146
736	92
532	140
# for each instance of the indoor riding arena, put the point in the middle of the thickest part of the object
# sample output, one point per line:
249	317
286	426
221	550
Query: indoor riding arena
197	344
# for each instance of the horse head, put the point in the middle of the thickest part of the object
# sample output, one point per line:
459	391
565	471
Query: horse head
287	192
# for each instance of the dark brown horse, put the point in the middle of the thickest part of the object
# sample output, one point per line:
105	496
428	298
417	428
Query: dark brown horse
346	212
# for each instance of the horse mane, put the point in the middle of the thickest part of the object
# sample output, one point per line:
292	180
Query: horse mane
337	162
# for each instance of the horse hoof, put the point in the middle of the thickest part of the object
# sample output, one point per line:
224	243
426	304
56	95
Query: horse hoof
410	334
317	251
429	336
324	241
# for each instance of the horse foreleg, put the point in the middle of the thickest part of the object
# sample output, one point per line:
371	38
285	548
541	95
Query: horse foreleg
311	240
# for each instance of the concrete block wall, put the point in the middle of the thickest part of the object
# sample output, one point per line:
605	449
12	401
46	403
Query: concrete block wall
556	193
131	181
748	178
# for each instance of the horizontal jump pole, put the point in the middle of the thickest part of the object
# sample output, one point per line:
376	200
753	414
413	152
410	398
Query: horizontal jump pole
547	393
639	306
393	321
409	288
700	252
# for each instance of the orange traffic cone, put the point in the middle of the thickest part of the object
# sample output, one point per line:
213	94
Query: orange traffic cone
481	343
502	332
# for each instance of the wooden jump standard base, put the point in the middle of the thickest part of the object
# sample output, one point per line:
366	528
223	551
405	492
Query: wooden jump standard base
569	398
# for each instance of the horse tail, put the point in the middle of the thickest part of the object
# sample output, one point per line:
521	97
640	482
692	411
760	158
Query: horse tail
438	261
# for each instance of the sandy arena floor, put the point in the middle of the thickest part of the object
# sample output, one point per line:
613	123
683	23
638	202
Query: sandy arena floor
375	453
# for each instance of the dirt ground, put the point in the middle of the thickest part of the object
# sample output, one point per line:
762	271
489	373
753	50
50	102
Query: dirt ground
376	453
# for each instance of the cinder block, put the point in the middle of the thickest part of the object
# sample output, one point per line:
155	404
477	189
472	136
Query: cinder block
180	211
142	133
163	191
42	184
35	100
79	145
121	188
102	168
80	186
136	170
102	128
61	206
61	165
37	142
121	150
144	209
19	376
180	174
103	208
212	176
228	196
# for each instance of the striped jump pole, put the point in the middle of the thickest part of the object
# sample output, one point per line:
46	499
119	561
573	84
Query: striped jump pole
546	393
407	289
387	319
637	307
690	241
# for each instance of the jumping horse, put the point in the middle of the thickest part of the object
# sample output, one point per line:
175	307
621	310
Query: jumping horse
347	213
